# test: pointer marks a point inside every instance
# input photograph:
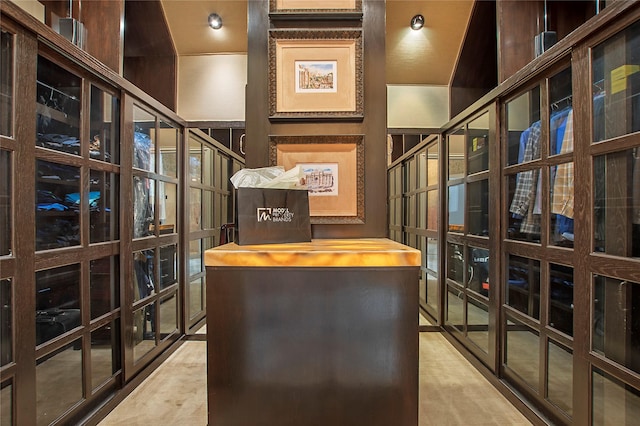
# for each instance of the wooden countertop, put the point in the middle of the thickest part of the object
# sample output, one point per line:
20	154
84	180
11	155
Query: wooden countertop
359	252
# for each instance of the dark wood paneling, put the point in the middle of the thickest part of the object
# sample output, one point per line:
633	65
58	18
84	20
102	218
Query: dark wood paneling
102	20
565	16
104	33
257	93
24	244
518	24
289	346
259	127
144	72
150	60
476	69
374	129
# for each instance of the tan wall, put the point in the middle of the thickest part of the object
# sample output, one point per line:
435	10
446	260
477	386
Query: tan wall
212	87
416	106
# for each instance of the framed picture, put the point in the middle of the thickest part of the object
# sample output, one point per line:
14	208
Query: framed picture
315	74
315	6
333	168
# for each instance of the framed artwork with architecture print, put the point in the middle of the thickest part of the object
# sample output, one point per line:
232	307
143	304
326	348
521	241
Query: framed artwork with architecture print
315	74
333	168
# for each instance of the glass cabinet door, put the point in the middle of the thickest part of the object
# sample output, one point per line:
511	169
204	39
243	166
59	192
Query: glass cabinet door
468	257
615	291
538	293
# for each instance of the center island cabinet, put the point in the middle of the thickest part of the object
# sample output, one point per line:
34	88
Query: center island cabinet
317	333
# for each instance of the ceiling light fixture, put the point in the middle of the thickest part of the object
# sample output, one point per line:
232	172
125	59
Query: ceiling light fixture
215	21
417	22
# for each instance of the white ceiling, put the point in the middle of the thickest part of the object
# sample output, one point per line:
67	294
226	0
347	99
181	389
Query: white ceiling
412	57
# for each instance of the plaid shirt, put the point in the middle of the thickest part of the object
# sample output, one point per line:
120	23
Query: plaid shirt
526	185
562	199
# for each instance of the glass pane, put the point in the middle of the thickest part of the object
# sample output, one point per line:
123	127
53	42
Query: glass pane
196	304
616	319
479	208
614	402
59	371
208	167
410	168
478	324
432	254
432	209
57	302
168	144
616	209
561	298
421	159
143	206
456	154
223	208
523	352
168	266
560	113
432	291
478	145
169	163
168	207
144	140
455	308
224	172
195	160
143	274
105	126
561	223
144	331
432	165
217	170
195	209
422	287
104	353
523	127
422	210
456	208
410	211
104	206
560	377
523	285
57	108
616	85
455	263
195	257
6	323
104	284
6	223
208	217
6	403
6	84
526	206
479	270
168	315
57	205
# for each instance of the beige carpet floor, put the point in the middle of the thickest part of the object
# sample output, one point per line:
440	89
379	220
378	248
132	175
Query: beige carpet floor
451	391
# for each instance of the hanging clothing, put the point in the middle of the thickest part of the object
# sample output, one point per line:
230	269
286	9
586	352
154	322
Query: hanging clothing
562	198
526	185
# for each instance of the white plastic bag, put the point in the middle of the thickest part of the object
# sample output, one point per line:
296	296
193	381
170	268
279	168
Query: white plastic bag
269	177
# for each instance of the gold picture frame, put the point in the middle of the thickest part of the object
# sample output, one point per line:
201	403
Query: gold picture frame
296	55
341	199
315	6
